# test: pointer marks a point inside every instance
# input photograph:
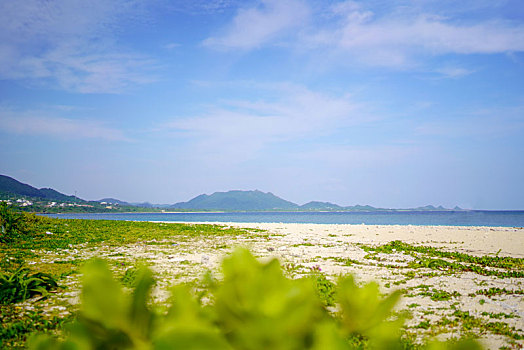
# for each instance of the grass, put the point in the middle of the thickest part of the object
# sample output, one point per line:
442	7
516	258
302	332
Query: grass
17	324
345	261
434	258
433	293
64	233
497	291
469	322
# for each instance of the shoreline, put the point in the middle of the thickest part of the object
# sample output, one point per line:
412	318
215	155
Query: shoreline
477	240
439	219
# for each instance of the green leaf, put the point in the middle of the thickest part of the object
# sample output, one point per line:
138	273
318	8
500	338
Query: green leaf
102	297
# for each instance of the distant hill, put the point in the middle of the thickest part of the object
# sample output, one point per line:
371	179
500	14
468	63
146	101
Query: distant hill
315	205
431	208
10	186
112	201
362	208
237	200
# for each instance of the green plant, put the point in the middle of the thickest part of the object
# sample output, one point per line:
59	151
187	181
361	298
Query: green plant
20	285
11	223
424	325
17	324
129	279
430	257
496	291
325	288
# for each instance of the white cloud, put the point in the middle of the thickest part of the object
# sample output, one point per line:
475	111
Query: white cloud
241	129
256	26
70	45
40	123
171	46
454	72
397	39
363	32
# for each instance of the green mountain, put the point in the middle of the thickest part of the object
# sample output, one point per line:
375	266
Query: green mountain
10	186
315	205
237	200
112	201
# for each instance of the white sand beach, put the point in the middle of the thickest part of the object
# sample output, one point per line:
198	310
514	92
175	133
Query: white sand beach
338	250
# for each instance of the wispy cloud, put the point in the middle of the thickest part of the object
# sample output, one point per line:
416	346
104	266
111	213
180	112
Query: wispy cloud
394	40
42	124
360	32
453	72
242	128
487	123
255	26
70	45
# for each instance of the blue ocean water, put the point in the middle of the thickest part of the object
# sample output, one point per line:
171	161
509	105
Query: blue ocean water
439	218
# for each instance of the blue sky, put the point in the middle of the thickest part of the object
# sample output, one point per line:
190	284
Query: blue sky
388	103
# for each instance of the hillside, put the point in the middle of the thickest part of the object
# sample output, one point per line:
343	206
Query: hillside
10	186
237	200
315	205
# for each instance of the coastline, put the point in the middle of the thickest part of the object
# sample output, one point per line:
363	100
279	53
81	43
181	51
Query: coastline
477	240
463	219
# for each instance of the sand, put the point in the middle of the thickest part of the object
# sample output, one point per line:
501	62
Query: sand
307	247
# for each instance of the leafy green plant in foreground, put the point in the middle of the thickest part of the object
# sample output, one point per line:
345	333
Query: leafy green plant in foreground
20	285
254	307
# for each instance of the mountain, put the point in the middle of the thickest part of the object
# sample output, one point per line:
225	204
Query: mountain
315	205
10	186
112	201
237	200
362	208
49	193
430	208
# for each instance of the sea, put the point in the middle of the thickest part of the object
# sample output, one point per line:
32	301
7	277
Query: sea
419	218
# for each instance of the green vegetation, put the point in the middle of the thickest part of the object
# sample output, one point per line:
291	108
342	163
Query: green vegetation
469	322
16	324
247	301
22	285
433	293
345	261
432	258
325	289
61	233
130	277
497	291
36	237
12	224
254	307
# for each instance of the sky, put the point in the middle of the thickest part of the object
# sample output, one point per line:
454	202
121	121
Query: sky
394	104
